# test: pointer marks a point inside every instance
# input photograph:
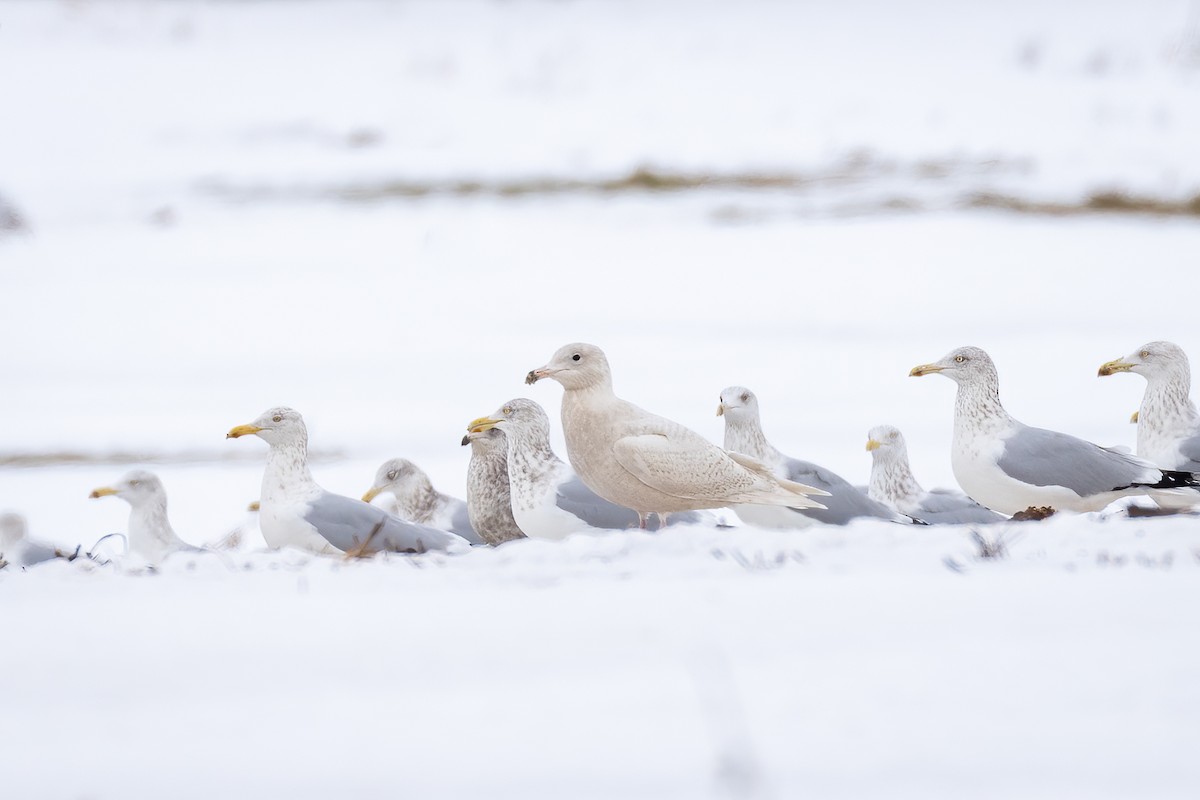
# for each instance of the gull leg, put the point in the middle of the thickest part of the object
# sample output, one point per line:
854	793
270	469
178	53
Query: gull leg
643	518
662	519
357	552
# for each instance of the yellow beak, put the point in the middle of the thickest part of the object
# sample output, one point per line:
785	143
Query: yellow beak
482	424
872	445
242	430
924	369
1113	367
253	506
103	491
1133	419
371	494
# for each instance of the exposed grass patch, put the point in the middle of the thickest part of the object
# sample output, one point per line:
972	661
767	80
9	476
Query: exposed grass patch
1103	202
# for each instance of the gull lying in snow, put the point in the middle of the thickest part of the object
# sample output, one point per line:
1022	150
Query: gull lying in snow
549	501
295	512
646	462
1168	430
151	536
418	501
1008	466
744	434
892	483
18	549
488	502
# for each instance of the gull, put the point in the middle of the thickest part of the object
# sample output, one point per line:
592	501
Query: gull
646	462
18	549
744	434
893	483
549	501
488	502
1168	431
295	512
1009	467
418	501
151	536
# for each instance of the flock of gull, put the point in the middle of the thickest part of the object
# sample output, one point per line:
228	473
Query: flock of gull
631	468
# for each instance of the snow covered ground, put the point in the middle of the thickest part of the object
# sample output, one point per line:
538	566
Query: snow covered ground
385	214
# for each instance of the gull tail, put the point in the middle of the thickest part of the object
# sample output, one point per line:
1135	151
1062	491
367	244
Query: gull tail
1176	489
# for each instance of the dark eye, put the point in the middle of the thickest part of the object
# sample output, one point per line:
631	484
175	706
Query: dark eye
277	418
960	359
391	476
575	357
746	398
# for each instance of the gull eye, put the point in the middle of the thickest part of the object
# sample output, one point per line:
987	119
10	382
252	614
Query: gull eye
135	483
746	397
391	476
507	411
892	435
1145	354
576	357
277	418
959	359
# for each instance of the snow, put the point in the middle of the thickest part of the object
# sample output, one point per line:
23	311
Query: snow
191	259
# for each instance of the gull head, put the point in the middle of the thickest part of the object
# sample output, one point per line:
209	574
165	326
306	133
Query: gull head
885	442
737	404
484	440
522	417
1151	360
963	365
135	488
12	530
277	425
575	366
396	475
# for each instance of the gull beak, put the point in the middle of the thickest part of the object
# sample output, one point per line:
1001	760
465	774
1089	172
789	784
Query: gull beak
536	375
242	430
483	424
872	444
1113	367
1133	419
924	369
103	491
720	408
466	440
371	494
253	506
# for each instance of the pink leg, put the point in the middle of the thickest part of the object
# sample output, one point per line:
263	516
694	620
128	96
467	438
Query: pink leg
643	517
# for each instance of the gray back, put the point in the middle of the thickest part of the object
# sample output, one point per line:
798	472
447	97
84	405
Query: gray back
1049	458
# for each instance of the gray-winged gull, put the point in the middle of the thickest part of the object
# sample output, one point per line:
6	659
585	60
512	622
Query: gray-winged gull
744	434
295	511
549	500
1009	467
417	501
893	483
488	501
18	549
646	462
1168	431
150	536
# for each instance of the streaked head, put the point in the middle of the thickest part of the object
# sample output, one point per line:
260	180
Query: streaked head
12	529
274	426
737	404
398	476
520	416
1151	360
962	365
885	441
575	366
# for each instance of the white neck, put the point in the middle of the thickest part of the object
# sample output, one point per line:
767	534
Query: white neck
150	533
1167	411
747	437
286	477
892	481
977	409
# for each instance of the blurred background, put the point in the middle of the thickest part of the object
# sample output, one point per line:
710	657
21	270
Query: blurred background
385	213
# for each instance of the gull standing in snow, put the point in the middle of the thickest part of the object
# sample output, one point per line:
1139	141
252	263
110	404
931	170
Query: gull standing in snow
18	549
893	484
294	511
151	536
646	462
744	434
488	501
1168	431
1009	467
418	501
